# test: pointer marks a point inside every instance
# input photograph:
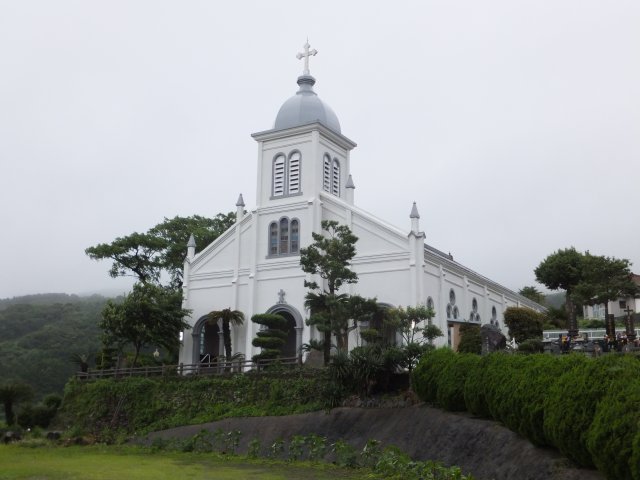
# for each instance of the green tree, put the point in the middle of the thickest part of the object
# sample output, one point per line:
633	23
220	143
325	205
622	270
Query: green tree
162	249
470	339
329	256
149	315
532	293
272	338
414	326
563	270
138	255
10	395
523	323
229	317
176	232
604	279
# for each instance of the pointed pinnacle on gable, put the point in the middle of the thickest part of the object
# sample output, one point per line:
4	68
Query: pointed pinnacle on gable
350	183
191	242
240	202
414	211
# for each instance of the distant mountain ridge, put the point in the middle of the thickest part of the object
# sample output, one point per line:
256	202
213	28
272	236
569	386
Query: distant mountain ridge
47	298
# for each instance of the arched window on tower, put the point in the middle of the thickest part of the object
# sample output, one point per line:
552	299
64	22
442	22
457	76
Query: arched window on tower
331	175
278	175
284	237
335	178
326	173
294	173
287	175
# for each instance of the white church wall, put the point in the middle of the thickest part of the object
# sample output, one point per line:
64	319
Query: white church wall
387	284
220	258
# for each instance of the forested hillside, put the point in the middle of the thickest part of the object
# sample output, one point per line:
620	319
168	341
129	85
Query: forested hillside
39	334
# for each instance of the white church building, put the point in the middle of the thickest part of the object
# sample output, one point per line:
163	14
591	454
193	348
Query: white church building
304	177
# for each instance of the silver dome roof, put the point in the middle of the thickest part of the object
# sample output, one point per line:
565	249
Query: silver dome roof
306	107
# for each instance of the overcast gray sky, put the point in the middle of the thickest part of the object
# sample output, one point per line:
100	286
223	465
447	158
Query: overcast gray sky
515	125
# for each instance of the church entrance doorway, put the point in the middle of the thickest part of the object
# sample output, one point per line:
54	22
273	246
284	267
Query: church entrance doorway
209	343
293	342
290	348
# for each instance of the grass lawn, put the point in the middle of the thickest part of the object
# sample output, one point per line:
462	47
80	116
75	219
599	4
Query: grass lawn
121	463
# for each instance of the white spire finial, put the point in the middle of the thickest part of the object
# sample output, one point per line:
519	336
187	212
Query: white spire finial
307	53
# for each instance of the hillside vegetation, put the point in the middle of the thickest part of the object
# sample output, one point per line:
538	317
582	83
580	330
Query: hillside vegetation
39	334
112	407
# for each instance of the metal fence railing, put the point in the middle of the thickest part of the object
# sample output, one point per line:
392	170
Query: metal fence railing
216	367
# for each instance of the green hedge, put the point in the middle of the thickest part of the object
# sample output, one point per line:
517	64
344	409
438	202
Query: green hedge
573	399
426	376
450	392
612	432
585	407
123	406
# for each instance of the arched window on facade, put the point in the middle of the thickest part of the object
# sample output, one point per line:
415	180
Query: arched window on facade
273	239
474	316
452	310
284	237
494	317
430	303
287	175
295	236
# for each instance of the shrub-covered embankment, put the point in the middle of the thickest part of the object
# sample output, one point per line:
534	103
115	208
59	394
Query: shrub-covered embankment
585	407
110	407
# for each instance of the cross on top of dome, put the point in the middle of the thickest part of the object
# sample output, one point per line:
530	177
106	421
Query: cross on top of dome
307	53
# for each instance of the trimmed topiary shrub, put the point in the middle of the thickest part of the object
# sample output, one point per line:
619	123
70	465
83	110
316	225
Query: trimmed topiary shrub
573	399
272	338
610	437
426	376
450	392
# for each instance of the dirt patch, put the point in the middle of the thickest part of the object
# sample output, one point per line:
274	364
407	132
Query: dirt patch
482	447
